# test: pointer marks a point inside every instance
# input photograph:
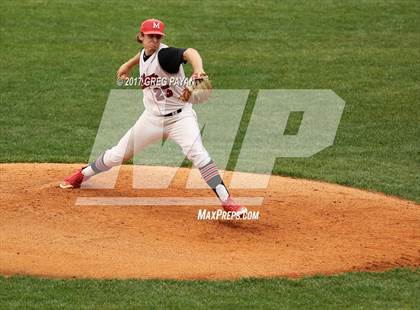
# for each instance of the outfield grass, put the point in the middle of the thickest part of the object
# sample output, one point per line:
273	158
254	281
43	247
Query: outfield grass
58	63
396	289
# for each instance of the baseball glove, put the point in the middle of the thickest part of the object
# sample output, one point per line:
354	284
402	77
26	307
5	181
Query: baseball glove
198	89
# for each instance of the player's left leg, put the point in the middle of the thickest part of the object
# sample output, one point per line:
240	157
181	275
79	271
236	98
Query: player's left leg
185	132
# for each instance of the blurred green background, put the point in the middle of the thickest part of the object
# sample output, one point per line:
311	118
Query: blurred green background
59	59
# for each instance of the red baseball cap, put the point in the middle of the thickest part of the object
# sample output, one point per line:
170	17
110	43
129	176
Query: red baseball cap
152	26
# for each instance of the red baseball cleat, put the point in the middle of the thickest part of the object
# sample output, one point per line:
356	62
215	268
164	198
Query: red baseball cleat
230	205
74	181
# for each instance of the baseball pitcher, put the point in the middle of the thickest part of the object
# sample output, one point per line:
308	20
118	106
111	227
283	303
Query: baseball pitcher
168	98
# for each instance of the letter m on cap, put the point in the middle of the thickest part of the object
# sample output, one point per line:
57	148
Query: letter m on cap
156	25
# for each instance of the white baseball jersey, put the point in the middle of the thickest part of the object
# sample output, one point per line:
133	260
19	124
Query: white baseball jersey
161	90
160	97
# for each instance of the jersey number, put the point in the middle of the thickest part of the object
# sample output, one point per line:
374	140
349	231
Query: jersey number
162	92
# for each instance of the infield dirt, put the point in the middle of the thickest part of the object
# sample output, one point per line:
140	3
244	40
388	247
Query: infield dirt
305	228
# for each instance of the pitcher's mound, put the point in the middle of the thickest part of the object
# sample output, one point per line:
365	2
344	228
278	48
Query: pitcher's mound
304	228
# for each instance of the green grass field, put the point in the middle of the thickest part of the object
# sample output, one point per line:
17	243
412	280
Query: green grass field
391	290
58	63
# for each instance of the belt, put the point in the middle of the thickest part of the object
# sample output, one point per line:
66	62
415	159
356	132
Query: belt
173	113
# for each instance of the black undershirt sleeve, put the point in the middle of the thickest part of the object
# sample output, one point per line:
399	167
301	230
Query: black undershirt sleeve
171	58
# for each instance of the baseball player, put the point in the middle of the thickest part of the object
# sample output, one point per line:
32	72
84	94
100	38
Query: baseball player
168	112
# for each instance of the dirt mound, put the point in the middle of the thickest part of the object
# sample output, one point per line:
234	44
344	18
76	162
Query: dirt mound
304	228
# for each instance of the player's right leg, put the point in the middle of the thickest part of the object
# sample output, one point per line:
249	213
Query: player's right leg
145	131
